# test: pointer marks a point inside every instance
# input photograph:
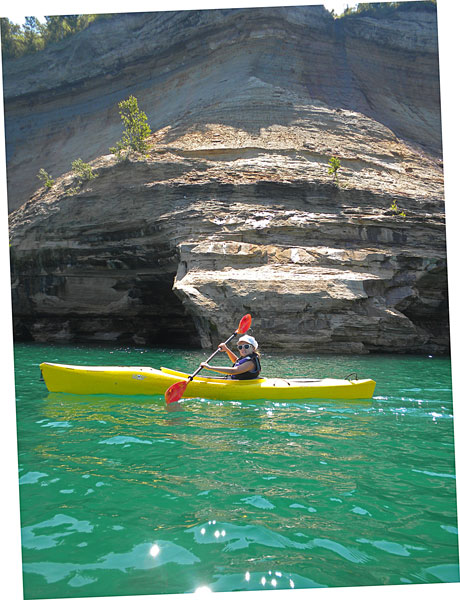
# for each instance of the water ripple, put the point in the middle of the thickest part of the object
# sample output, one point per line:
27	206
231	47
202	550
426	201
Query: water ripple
120	496
142	557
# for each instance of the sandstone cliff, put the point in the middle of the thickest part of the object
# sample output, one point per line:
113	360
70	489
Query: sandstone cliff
233	210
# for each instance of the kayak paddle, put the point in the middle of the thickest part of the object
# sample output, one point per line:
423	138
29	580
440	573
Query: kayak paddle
176	390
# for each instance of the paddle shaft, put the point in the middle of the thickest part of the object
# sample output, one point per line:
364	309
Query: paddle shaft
176	390
212	356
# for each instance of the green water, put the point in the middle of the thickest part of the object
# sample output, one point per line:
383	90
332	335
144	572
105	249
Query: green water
120	496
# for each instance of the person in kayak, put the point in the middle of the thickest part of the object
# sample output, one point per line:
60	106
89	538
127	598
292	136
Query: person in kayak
247	366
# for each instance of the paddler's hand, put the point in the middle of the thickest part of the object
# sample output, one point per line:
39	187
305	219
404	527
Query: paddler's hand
222	347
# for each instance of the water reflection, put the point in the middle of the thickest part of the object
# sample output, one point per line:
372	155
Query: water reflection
140	557
261	580
175	407
199	432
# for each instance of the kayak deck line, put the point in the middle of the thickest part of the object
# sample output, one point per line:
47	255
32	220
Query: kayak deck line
100	368
148	381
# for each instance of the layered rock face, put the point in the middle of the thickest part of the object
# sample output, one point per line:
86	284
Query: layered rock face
234	210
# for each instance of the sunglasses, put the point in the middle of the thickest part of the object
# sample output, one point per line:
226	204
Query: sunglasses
246	346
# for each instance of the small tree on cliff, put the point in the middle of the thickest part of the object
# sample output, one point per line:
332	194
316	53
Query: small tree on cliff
82	172
136	130
45	178
334	166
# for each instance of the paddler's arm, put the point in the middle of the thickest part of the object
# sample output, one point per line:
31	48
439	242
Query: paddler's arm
224	348
246	366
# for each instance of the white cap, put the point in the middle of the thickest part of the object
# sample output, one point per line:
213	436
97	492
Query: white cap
250	340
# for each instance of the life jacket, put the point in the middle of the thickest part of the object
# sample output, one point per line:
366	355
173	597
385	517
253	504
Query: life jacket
249	374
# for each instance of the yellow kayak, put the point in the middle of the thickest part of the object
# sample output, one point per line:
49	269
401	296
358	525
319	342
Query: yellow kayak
148	381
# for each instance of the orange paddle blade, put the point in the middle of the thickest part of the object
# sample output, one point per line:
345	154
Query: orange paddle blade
175	392
245	324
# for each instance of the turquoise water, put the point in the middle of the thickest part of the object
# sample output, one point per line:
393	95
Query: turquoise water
120	496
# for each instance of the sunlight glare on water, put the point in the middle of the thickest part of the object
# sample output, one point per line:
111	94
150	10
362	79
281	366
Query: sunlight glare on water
120	496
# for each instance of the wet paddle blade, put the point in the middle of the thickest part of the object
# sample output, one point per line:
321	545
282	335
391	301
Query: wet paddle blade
244	325
175	392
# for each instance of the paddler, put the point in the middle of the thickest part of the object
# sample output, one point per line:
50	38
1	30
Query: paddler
247	366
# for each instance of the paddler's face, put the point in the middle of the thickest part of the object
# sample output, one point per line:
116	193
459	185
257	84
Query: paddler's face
245	348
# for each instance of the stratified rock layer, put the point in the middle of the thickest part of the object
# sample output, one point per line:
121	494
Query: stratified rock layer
234	209
249	69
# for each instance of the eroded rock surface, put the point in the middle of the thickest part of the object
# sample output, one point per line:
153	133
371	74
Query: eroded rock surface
234	210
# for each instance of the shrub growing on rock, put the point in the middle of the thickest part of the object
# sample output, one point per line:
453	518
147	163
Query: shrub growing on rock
45	178
136	130
334	166
396	210
83	171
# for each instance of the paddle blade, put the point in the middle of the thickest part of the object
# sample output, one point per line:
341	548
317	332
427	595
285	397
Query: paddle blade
245	324
175	392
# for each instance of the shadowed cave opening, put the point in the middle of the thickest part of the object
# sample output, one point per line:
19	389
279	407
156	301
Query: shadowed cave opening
155	317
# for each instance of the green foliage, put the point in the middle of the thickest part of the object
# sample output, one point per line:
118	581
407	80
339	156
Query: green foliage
83	171
334	166
45	178
33	36
13	42
396	210
72	191
33	39
136	130
383	9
